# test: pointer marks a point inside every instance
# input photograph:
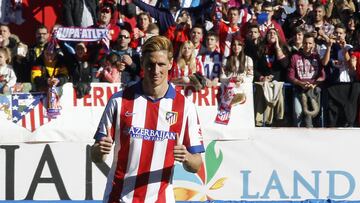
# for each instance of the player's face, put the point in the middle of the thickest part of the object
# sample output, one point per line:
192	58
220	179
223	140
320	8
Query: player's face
156	66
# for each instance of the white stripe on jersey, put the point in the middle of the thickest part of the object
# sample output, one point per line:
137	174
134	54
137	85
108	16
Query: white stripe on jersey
194	127
111	174
169	191
138	120
159	149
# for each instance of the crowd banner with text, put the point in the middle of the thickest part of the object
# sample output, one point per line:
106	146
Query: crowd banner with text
79	117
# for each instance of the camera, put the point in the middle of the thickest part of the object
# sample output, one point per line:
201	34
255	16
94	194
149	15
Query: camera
299	22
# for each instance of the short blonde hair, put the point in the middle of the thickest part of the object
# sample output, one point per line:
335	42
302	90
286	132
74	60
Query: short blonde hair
157	43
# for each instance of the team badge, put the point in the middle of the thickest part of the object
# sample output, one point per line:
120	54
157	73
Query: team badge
171	117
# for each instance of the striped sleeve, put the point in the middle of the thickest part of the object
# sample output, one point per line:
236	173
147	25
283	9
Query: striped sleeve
192	137
108	120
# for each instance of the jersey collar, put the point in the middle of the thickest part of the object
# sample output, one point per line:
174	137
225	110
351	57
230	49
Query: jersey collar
170	93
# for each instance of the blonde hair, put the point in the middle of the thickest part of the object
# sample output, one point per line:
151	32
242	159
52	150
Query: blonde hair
157	43
7	54
181	62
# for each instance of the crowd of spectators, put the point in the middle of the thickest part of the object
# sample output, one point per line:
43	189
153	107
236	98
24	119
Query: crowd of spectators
302	56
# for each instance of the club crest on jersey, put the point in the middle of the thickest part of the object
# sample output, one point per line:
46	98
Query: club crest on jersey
171	117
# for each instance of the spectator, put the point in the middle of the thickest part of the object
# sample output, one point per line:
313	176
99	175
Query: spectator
343	93
319	22
196	37
211	60
98	50
273	61
35	51
306	73
342	10
7	74
104	21
167	17
49	70
353	30
340	58
228	31
296	42
298	18
179	32
253	42
128	56
18	53
80	73
268	8
270	73
355	63
113	71
186	66
80	13
7	41
237	66
143	20
152	30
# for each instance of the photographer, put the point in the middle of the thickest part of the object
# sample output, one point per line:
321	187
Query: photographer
297	19
319	22
130	58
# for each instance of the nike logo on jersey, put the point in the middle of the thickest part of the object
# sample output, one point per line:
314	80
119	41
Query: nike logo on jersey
127	114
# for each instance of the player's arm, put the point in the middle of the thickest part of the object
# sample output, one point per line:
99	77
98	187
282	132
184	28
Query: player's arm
191	162
100	149
104	134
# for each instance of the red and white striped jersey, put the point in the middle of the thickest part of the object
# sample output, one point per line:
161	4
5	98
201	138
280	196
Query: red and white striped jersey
226	34
211	64
177	72
145	132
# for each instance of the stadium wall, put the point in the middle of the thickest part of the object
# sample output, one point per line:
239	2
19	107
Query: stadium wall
242	163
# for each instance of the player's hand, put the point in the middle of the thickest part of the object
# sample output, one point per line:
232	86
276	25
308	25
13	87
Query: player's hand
105	145
180	151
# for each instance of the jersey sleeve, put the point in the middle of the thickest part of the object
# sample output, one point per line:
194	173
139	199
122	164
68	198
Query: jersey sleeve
106	125
192	135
